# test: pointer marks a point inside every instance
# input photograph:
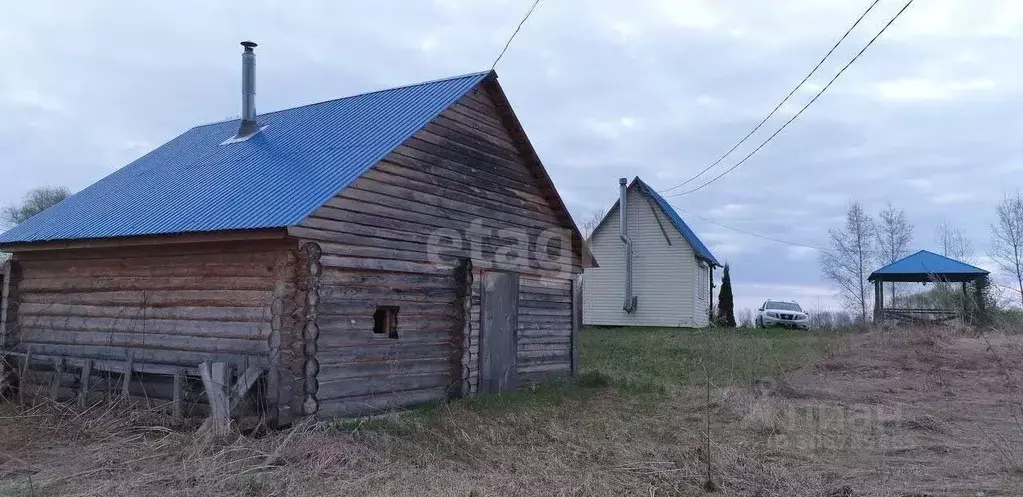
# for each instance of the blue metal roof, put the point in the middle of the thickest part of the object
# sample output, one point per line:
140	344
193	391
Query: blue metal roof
701	250
925	264
302	158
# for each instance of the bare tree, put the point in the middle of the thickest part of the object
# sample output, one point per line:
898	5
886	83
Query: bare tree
847	263
35	202
953	242
1007	238
592	220
894	234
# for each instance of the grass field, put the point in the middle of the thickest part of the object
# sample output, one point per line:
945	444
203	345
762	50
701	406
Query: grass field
672	358
653	413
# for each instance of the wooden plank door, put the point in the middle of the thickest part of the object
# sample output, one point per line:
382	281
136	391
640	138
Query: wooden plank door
499	310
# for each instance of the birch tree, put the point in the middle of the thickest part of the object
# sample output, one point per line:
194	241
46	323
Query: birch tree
35	202
848	262
953	243
894	234
1007	239
591	221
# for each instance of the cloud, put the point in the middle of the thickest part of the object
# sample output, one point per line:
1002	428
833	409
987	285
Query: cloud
802	254
952	198
922	90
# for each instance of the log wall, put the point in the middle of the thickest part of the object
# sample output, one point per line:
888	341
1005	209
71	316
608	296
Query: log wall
157	311
463	174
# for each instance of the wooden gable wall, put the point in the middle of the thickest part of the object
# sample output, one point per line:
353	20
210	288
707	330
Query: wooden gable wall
465	166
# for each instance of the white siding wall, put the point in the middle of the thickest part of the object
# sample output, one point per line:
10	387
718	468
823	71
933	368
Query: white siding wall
665	277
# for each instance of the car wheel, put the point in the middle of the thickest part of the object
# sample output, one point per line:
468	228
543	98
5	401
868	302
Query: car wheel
758	324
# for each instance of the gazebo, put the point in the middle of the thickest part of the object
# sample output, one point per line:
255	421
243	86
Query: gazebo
922	267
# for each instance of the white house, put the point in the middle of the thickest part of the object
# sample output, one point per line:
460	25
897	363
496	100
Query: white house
655	272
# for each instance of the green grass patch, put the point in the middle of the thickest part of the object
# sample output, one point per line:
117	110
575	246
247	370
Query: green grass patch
647	359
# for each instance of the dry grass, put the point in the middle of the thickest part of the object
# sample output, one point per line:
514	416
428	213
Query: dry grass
877	414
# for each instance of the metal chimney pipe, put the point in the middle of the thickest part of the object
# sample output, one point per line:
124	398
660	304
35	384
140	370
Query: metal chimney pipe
249	125
623	233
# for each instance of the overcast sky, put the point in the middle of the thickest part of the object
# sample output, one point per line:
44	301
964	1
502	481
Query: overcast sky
929	118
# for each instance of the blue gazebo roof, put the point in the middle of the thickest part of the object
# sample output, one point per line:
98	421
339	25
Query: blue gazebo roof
925	266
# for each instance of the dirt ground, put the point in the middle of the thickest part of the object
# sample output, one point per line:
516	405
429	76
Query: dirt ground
909	413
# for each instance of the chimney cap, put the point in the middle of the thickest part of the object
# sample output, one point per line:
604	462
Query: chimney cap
622	181
249	45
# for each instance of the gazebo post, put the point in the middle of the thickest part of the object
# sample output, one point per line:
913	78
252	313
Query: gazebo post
966	307
878	302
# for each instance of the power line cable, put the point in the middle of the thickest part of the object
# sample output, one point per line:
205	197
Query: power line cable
750	233
786	99
758	235
794	117
512	37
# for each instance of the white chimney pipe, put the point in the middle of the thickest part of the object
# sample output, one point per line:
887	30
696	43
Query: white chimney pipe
623	232
249	126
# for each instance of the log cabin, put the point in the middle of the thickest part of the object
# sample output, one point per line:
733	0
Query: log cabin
340	258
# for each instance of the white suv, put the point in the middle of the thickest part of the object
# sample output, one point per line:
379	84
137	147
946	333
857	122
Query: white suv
782	313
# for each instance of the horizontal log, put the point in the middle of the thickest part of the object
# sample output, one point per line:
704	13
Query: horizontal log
532	311
540	285
542	349
360	387
93	283
374	404
371	294
544	304
527	293
386	368
216	329
553	333
528	340
529	361
145	341
558	327
384	351
190	298
237	314
148	356
130	249
544	367
368	338
382	265
168	254
386	281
